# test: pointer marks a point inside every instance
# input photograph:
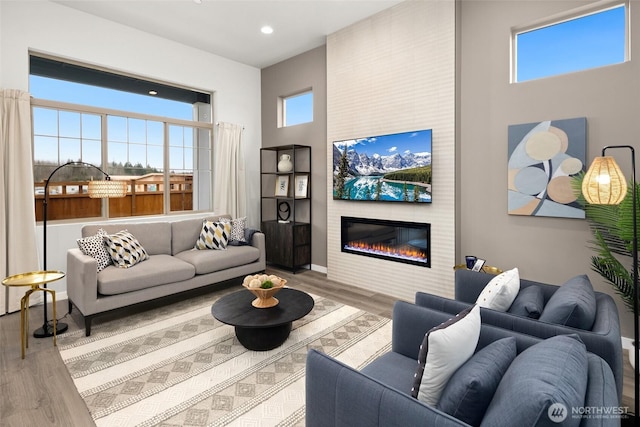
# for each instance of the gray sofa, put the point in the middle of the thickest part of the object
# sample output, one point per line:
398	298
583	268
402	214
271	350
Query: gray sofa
603	339
173	266
379	395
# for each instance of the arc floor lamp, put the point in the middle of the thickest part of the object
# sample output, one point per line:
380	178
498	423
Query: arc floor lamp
605	184
97	190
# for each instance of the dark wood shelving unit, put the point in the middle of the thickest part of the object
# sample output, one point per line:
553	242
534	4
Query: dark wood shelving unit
286	219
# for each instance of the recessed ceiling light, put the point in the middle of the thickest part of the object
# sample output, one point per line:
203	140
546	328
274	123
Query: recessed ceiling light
197	1
153	92
266	29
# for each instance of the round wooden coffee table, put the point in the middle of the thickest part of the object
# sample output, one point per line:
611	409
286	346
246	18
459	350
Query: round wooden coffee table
262	329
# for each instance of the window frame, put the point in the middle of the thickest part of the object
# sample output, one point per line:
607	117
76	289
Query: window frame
560	18
282	107
104	112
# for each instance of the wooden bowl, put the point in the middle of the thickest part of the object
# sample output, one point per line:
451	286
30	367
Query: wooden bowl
265	297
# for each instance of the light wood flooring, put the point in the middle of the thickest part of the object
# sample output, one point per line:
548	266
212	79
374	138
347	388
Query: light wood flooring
38	391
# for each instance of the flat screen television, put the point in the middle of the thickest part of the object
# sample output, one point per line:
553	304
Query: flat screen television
385	168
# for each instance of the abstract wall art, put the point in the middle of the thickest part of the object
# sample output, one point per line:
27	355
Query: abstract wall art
543	158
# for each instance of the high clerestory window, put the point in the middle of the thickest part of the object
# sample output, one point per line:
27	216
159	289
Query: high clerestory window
156	137
295	109
590	37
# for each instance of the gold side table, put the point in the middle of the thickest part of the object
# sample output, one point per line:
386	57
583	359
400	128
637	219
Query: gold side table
33	279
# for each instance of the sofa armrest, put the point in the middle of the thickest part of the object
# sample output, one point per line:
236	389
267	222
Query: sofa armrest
82	280
258	241
337	395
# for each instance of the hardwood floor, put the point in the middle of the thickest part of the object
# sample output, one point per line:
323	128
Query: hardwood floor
38	391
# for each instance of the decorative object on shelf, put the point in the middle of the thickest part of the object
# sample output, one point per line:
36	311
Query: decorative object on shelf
470	260
97	190
604	184
485	268
301	185
282	186
543	158
264	287
477	266
285	164
284	211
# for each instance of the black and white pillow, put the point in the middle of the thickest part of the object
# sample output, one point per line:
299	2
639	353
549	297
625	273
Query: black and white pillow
94	246
444	349
214	235
238	227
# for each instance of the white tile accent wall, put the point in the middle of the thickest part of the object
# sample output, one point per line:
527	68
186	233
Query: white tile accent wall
395	72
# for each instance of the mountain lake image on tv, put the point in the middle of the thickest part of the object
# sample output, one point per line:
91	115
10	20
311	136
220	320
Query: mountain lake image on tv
386	168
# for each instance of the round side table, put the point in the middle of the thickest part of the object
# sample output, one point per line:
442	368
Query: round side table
33	279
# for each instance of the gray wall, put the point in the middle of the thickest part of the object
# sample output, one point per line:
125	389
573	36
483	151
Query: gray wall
308	70
545	249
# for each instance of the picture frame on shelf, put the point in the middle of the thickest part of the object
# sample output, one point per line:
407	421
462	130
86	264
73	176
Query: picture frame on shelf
301	185
282	186
478	265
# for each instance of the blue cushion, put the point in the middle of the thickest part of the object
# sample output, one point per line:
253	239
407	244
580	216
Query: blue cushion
529	302
470	389
573	304
548	378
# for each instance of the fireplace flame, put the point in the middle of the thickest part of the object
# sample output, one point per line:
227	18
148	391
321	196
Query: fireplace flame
405	251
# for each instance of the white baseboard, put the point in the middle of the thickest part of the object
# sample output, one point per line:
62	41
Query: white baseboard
319	268
627	343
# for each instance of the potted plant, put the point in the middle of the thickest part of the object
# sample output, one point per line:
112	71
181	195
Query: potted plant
612	228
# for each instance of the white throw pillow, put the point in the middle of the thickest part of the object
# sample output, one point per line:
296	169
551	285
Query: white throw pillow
501	291
444	349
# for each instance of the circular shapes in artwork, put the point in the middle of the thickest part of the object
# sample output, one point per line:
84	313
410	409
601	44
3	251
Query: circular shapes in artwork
543	145
560	191
531	180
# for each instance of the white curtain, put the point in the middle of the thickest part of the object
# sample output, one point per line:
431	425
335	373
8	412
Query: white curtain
229	195
18	251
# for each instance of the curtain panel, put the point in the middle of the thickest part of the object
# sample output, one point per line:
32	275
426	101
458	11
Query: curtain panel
18	251
229	194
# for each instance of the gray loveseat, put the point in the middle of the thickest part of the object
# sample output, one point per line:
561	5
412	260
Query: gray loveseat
173	266
379	395
602	339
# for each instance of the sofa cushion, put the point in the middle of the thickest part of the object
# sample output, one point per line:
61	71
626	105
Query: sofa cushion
155	237
213	235
470	389
210	261
501	291
125	250
529	302
444	349
548	376
392	369
157	270
94	246
185	232
573	304
238	226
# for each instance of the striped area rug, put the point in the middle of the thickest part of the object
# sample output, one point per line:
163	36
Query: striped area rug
178	366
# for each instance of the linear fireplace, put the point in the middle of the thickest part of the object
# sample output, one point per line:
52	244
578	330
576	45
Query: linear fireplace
401	241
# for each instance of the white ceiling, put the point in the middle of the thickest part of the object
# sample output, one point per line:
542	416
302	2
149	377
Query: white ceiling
231	28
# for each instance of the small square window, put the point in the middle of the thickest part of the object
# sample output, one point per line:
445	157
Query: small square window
297	109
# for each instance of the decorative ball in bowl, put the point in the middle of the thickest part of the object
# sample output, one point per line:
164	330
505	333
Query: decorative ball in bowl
264	287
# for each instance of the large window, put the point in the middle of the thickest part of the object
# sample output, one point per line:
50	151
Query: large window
165	159
583	40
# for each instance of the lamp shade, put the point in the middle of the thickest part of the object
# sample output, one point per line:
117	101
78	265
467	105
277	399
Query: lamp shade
604	183
107	189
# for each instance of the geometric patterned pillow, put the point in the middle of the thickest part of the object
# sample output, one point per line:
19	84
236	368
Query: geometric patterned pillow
125	250
94	246
237	229
214	235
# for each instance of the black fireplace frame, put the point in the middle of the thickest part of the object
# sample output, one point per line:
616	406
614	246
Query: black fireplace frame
386	223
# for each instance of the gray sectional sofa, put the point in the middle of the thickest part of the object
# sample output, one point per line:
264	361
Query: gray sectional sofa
603	338
173	266
380	394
